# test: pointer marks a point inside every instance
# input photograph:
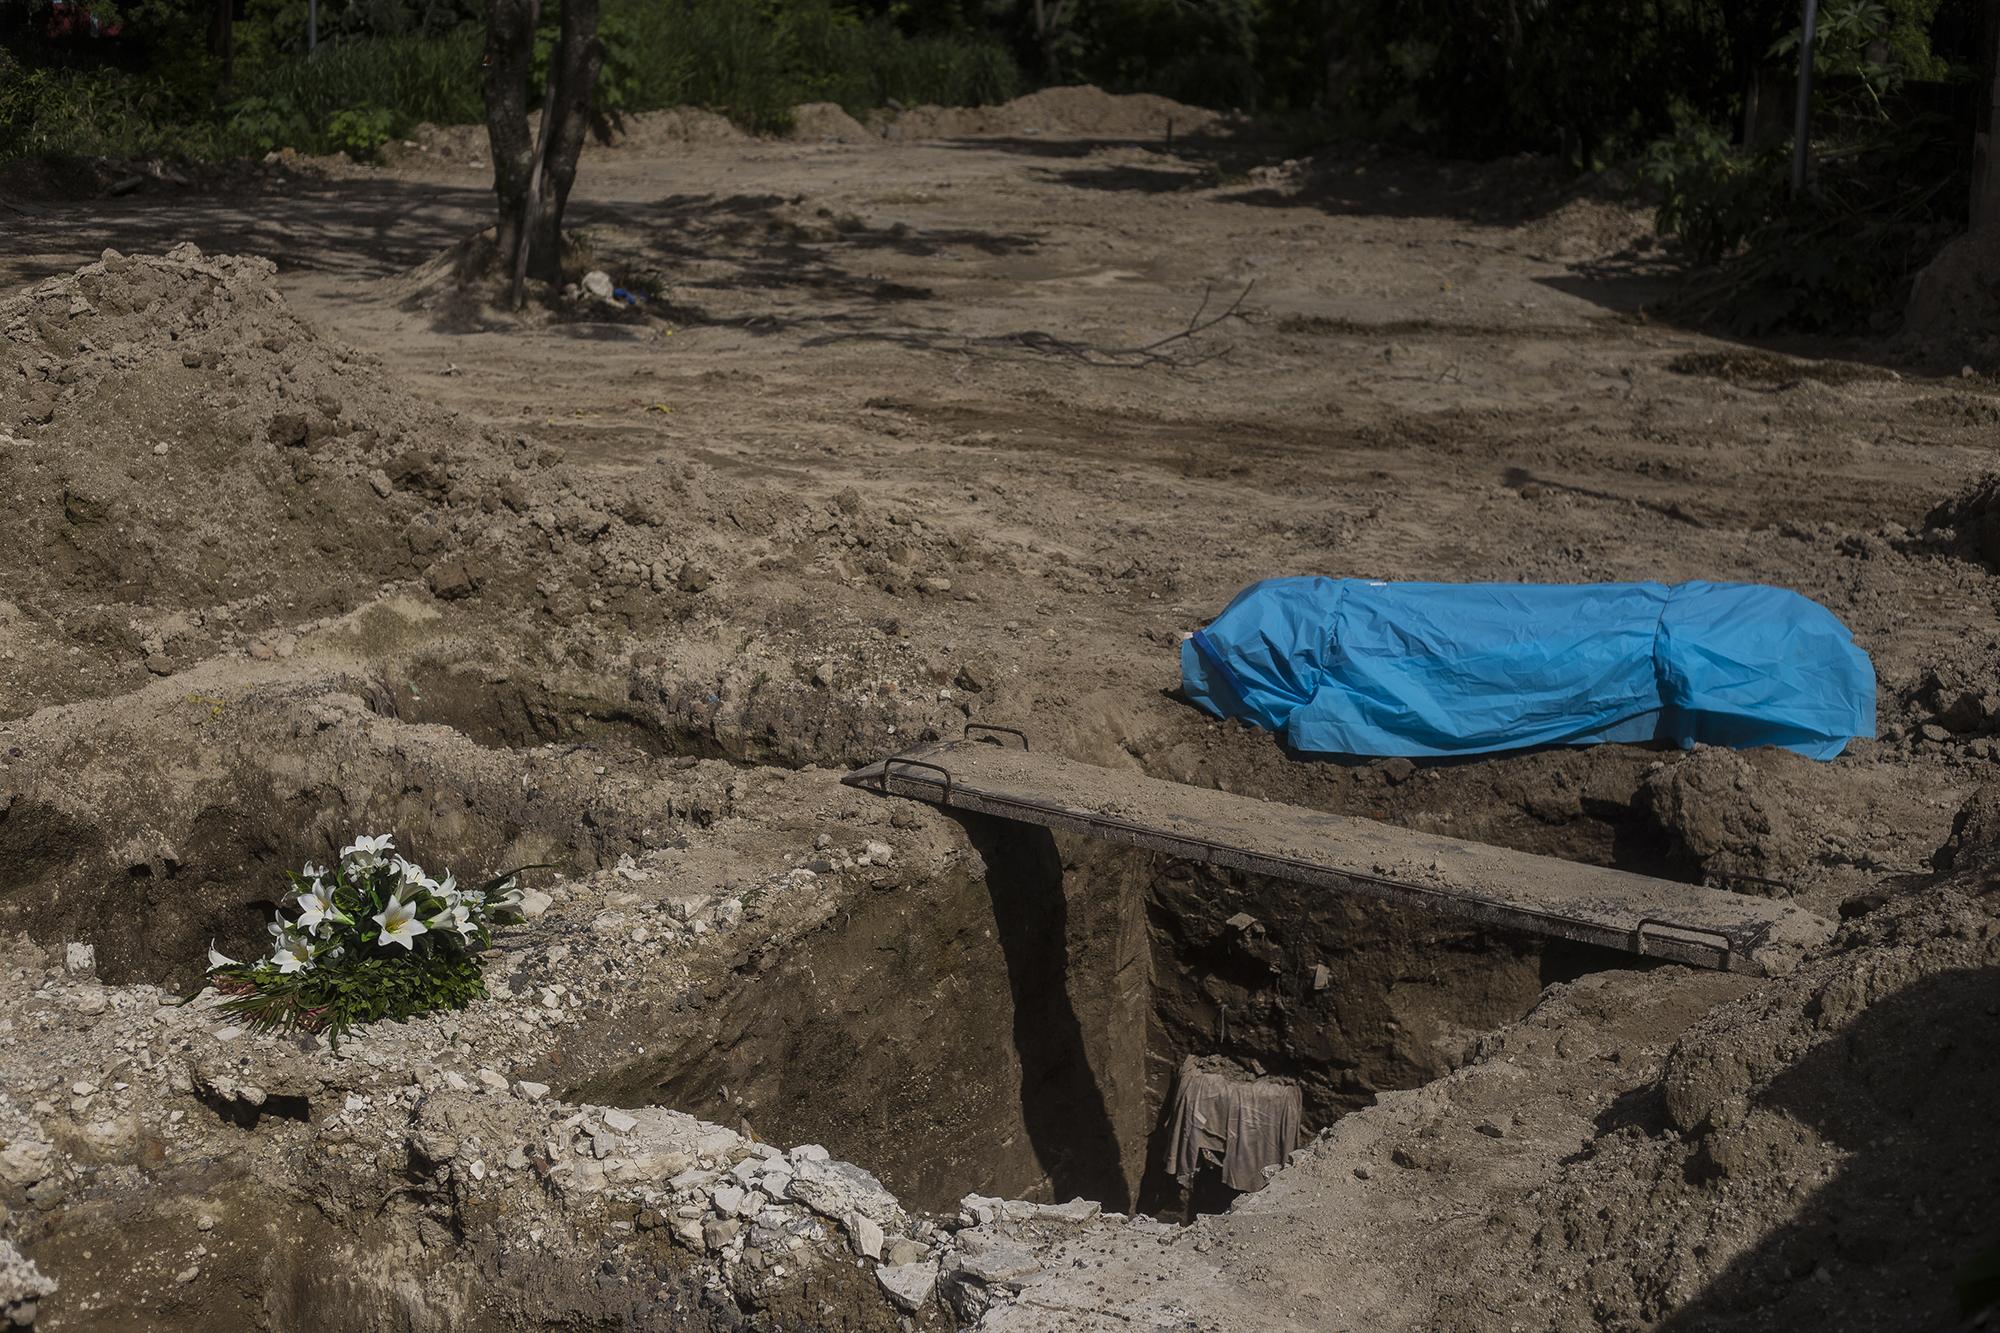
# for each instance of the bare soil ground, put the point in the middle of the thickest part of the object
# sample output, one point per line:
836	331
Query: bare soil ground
300	541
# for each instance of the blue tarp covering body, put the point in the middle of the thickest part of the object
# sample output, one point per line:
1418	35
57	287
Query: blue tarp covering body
1348	666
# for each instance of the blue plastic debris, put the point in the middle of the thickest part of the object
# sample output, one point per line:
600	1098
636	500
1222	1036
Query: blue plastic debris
1349	666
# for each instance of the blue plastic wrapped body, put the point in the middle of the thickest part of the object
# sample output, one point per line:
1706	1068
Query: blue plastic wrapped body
1348	666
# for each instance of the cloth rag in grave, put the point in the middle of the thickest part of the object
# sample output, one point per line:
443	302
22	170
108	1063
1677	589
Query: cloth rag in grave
1241	1124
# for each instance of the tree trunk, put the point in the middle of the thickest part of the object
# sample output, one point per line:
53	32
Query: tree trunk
1985	171
510	58
532	174
578	57
222	40
1955	302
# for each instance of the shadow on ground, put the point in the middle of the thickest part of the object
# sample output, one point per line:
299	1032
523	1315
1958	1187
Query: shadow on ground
1911	1091
366	227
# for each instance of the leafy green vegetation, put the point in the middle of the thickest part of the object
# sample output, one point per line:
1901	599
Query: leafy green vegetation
1888	185
155	90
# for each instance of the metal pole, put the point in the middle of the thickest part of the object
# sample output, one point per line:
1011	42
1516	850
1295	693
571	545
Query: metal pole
1801	139
312	25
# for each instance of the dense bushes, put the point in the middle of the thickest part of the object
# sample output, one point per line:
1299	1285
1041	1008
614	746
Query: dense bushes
152	90
1891	158
756	61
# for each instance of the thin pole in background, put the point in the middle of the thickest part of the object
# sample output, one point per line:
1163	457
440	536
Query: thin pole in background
1801	137
312	25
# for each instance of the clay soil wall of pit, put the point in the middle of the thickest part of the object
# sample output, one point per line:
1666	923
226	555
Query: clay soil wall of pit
1011	1024
965	1031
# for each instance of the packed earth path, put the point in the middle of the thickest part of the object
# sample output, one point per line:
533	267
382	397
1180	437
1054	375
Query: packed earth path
964	416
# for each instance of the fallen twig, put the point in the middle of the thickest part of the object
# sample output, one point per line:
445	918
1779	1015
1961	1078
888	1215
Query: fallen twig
1173	350
1146	354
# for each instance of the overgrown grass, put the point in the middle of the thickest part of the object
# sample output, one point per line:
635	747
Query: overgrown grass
755	62
751	61
82	113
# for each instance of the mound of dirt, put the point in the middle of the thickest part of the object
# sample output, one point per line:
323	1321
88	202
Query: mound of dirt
191	465
1082	109
828	122
1712	819
639	131
1970	520
1823	1152
1969	860
676	125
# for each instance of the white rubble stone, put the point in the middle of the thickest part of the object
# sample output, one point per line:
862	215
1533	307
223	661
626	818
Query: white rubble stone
993	1260
25	1161
977	1210
866	1235
835	1189
1076	1210
908	1285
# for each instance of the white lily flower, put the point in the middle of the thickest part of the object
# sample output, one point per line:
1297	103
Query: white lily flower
411	874
506	897
314	873
447	888
399	923
216	960
293	954
366	851
316	909
455	917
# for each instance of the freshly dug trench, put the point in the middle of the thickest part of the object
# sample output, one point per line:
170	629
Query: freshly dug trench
940	1031
149	832
1008	1022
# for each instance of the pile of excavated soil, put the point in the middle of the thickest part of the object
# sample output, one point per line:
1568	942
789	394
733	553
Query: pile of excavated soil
191	468
1082	110
1076	110
828	122
1824	1154
1715	817
1970	520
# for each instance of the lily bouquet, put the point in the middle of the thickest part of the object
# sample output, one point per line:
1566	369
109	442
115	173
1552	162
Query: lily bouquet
373	937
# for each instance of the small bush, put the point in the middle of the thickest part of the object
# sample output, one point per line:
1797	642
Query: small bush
375	937
1711	195
261	124
359	131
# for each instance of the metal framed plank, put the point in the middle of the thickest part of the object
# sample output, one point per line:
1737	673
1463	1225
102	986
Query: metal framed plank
1637	914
